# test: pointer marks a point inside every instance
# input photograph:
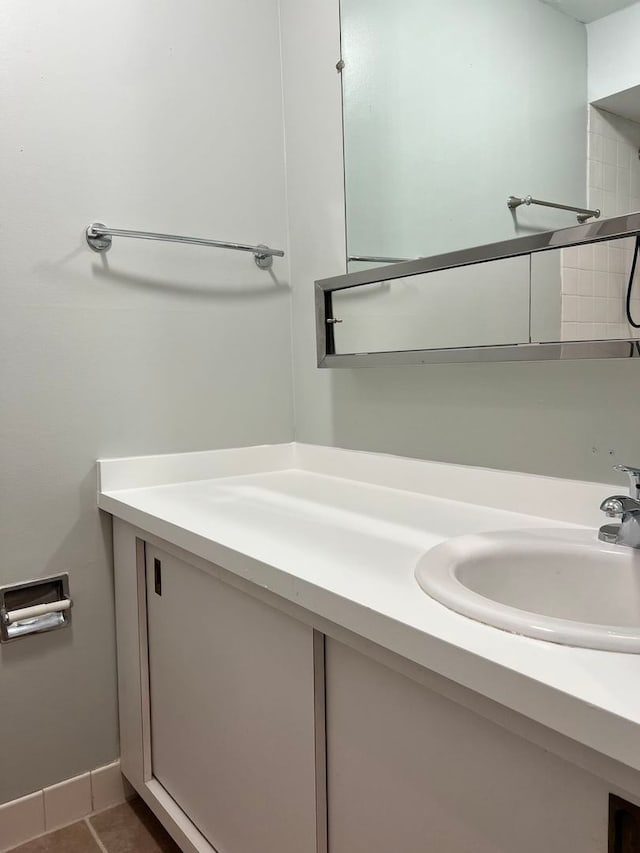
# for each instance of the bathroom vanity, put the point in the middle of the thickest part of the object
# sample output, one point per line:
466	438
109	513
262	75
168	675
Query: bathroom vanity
286	685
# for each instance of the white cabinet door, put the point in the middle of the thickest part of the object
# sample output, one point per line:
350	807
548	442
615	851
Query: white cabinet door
232	711
409	771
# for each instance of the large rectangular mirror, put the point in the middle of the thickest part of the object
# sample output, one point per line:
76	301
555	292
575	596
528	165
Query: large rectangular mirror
451	108
492	124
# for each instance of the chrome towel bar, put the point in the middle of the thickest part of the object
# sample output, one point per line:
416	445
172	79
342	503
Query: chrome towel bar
583	212
99	238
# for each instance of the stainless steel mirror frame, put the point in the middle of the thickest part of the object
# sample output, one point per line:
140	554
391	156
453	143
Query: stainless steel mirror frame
591	232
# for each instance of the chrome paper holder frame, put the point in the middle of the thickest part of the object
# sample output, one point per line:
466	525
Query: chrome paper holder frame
590	232
24	612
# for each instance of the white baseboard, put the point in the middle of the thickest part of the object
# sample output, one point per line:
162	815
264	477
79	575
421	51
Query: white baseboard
62	804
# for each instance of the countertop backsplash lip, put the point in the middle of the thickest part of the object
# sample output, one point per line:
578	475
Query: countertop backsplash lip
571	501
127	472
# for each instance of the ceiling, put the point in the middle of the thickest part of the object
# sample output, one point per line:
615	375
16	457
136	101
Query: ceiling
589	10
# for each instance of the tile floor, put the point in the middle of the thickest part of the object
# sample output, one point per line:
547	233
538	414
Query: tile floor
127	828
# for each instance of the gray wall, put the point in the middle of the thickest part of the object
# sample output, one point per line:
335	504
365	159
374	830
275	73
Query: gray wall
549	418
133	115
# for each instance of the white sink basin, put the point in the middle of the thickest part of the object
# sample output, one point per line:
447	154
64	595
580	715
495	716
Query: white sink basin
563	586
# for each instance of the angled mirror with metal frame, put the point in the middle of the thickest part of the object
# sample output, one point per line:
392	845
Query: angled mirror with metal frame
564	294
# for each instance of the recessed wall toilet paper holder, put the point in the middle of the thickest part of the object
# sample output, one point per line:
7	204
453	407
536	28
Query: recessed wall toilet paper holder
33	607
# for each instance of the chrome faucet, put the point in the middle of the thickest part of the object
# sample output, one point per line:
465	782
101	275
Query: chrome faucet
627	509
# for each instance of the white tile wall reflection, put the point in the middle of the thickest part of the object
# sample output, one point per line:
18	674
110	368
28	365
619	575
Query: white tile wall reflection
594	278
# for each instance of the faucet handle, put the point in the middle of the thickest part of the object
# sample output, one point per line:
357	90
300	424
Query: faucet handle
634	479
612	507
618	505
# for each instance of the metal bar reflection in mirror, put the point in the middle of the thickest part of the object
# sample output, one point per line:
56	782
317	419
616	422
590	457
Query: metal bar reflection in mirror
584	213
377	259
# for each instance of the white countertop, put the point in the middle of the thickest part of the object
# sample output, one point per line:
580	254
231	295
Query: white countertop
339	533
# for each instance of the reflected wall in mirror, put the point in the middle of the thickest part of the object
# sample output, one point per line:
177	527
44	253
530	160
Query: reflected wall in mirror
451	107
484	305
598	300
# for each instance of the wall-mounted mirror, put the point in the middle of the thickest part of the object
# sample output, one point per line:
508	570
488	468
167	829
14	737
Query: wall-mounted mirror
452	107
475	121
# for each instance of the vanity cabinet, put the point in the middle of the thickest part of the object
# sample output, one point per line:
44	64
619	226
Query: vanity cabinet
251	725
232	710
